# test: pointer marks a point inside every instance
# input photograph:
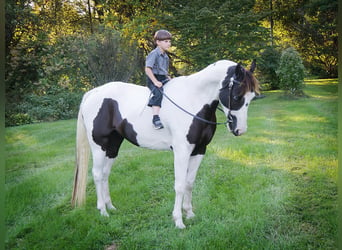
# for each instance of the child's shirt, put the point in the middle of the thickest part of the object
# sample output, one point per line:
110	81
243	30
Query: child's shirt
158	62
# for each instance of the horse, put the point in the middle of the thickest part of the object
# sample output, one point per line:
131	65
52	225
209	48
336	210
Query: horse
115	111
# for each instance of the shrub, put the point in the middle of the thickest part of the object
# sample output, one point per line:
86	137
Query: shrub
49	107
53	106
291	72
61	71
17	119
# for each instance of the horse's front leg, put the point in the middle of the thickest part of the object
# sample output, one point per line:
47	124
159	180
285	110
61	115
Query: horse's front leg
181	160
194	164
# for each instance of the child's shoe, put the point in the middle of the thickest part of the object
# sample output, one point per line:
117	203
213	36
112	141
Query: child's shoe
157	123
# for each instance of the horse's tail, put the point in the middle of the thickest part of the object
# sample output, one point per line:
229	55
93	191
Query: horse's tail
82	158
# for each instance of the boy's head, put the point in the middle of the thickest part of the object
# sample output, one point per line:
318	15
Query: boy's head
162	35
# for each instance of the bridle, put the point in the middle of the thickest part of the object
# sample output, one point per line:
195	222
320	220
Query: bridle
230	97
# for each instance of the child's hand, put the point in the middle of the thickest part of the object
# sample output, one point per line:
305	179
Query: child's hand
158	84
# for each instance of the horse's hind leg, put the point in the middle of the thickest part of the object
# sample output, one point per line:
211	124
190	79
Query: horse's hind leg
194	164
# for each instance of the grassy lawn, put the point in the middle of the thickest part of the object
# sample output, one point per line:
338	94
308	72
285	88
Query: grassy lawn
273	188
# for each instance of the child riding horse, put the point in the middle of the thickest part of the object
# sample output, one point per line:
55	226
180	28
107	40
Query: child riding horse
116	111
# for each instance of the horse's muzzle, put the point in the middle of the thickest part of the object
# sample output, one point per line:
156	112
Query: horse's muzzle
236	132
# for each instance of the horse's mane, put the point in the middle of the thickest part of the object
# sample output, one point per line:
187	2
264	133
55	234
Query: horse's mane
249	83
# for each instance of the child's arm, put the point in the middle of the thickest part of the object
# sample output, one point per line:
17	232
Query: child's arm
150	74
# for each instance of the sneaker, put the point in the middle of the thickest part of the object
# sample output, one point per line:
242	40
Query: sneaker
157	124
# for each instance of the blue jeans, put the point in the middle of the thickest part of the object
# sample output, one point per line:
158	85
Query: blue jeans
157	95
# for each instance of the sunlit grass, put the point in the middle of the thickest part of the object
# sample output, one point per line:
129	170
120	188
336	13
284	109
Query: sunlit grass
273	188
321	81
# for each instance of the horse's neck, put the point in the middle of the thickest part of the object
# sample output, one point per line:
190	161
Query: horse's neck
207	82
201	87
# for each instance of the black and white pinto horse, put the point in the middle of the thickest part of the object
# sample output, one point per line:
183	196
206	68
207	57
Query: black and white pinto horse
116	111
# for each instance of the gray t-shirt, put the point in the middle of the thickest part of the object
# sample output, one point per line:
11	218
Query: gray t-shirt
158	62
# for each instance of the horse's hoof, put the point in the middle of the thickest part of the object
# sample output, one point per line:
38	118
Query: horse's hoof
110	207
104	213
180	225
190	215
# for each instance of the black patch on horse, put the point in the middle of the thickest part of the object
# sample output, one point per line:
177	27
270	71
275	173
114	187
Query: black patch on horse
235	98
200	133
109	129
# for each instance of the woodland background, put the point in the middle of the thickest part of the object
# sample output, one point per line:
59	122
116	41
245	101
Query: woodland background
57	50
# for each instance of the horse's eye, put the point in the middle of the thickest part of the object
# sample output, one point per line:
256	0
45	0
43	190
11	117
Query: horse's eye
236	98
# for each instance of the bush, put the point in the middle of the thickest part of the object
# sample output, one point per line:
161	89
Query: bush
62	71
52	107
49	107
17	119
291	72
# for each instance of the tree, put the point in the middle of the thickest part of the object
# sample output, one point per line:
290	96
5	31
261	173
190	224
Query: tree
42	57
312	27
110	57
208	31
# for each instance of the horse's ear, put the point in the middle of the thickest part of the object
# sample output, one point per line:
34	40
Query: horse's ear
253	66
239	72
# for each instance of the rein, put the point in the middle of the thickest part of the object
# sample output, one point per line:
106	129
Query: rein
191	114
229	117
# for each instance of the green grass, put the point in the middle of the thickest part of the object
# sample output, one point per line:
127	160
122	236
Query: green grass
272	188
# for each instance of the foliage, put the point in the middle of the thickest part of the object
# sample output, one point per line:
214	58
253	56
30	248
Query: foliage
52	106
17	119
52	77
275	189
22	65
64	66
311	28
73	64
20	21
77	62
209	31
110	57
75	45
268	64
291	72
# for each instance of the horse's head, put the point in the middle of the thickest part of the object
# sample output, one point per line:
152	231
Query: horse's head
238	89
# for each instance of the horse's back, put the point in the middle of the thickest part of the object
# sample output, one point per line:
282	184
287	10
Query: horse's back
124	103
117	90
